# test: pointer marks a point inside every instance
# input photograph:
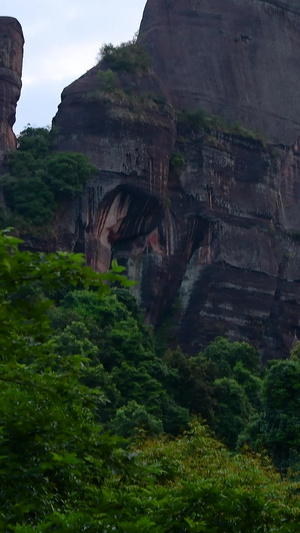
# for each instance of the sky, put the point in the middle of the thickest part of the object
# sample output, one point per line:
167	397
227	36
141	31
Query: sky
62	41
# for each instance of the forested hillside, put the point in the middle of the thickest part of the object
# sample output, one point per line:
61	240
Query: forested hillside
100	433
130	398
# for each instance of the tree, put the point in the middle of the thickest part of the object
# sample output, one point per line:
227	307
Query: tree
277	427
60	472
37	179
113	329
231	411
193	484
221	384
133	418
53	454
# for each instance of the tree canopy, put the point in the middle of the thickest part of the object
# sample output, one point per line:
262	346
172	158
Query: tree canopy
38	179
78	369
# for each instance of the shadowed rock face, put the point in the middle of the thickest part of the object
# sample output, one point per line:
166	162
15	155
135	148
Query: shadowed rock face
213	237
11	58
235	58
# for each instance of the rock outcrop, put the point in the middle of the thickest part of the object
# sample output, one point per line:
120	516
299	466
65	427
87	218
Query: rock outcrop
234	58
11	59
205	217
206	221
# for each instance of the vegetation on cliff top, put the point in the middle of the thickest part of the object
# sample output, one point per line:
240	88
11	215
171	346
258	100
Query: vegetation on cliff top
131	57
38	180
197	121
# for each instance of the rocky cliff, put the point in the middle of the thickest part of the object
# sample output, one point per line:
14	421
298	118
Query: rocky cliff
11	58
205	215
207	222
234	58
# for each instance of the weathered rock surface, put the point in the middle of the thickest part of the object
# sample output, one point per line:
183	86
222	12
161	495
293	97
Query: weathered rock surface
207	222
235	58
214	238
11	59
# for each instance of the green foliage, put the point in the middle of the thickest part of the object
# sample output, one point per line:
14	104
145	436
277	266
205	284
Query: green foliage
198	121
226	355
231	411
221	384
190	484
250	382
36	141
203	488
188	121
109	80
295	352
121	351
130	57
53	455
133	418
60	470
37	180
177	163
67	174
29	197
25	279
277	427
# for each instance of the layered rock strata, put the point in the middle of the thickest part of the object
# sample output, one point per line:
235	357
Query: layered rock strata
205	217
11	59
205	221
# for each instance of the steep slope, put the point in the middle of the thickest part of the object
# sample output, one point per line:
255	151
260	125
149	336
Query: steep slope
205	216
205	221
234	58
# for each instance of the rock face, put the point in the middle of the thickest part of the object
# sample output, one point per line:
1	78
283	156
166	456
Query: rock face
11	59
206	221
234	58
205	218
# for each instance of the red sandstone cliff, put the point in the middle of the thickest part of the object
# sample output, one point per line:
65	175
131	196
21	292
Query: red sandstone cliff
206	221
215	238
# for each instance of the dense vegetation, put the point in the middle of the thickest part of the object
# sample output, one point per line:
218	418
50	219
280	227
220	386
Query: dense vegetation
121	68
136	383
79	370
100	428
197	121
130	57
37	179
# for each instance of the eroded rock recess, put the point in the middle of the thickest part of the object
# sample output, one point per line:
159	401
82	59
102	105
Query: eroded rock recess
206	219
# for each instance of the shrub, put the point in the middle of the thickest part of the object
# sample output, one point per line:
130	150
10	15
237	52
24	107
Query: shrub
197	121
37	141
131	57
191	121
108	79
177	163
38	179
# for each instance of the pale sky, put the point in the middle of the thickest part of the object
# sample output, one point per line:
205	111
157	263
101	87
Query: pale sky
62	40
